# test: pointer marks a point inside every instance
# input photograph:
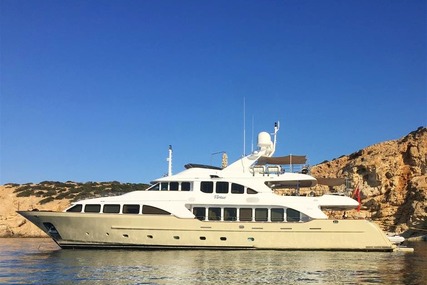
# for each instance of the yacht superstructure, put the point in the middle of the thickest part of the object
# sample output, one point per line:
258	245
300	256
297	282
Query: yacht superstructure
210	207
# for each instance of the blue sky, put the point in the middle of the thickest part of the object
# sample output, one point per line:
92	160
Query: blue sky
98	90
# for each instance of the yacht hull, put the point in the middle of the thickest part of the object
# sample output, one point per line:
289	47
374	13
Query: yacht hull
91	230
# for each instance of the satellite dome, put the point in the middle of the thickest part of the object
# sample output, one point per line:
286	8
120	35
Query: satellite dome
264	140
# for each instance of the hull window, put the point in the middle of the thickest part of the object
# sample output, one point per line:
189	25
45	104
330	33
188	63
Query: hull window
200	213
76	209
292	215
92	208
131	209
214	214
113	209
245	214
230	214
153	210
261	215
277	215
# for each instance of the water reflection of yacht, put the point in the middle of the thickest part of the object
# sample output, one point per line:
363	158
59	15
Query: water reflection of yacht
210	207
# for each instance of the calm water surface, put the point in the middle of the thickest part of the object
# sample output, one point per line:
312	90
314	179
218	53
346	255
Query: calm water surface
40	261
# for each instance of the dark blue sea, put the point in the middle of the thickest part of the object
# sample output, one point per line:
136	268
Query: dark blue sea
40	261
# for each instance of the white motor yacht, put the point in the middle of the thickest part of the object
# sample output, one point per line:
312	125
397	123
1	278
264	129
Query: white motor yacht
206	207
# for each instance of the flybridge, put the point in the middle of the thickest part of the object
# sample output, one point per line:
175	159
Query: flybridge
259	162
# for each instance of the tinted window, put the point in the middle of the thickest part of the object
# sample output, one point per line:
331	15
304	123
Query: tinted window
261	215
230	214
292	215
164	186
111	208
214	214
130	209
75	208
200	213
206	187
251	191
89	208
185	186
154	210
237	188
173	186
277	215
222	187
155	187
245	214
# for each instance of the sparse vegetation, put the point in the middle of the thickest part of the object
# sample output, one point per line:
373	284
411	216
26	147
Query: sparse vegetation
54	190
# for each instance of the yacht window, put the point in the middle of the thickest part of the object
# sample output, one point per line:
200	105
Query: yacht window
130	209
245	214
214	214
251	191
277	214
206	187
304	218
200	213
155	187
261	214
222	187
164	186
292	215
173	186
92	208
185	186
237	188
111	209
154	210
230	214
76	208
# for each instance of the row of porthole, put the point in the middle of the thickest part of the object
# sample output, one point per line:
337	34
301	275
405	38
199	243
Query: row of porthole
177	237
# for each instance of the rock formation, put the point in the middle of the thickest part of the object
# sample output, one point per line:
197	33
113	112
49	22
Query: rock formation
392	179
14	225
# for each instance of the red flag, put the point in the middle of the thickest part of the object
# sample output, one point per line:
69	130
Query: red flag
356	193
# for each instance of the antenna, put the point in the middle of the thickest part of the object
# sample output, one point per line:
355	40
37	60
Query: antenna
169	159
276	129
244	126
252	135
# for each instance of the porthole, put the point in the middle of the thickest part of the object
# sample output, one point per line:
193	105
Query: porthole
149	236
125	235
202	238
251	239
176	237
223	238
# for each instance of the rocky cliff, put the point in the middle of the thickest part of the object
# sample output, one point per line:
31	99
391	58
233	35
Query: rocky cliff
391	177
14	225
